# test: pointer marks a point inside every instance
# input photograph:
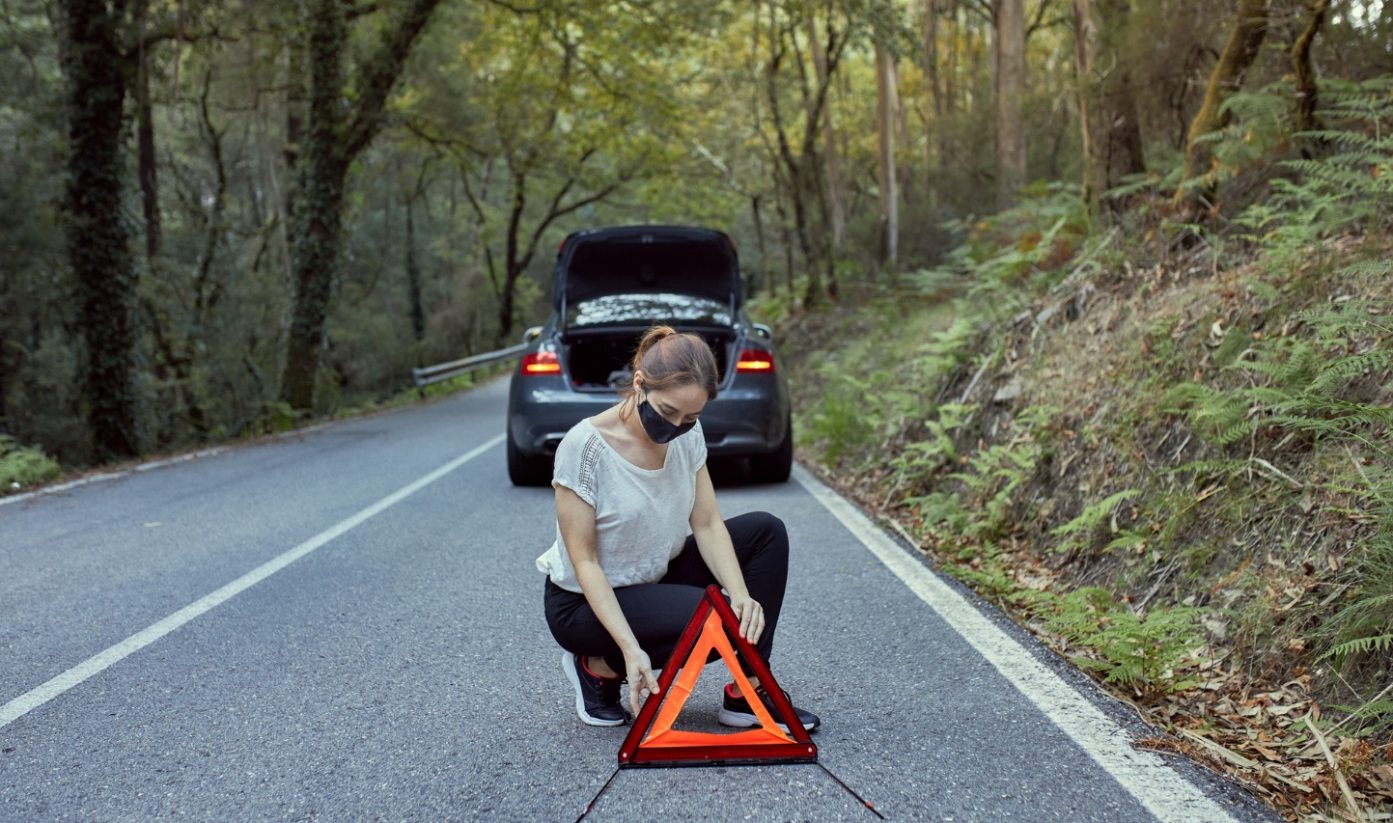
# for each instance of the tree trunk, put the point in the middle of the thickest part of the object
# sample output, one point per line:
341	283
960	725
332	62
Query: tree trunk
1107	111
934	118
332	141
145	139
1250	27
1010	92
831	162
1306	119
885	142
413	275
766	279
98	240
318	212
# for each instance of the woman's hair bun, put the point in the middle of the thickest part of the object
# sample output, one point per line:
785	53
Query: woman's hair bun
682	359
651	337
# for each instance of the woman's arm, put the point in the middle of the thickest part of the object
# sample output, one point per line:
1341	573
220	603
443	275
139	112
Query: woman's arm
713	543
577	521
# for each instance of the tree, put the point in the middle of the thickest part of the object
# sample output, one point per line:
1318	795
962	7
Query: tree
1306	119
1010	89
796	160
96	66
335	134
886	97
1108	120
832	164
1249	29
550	112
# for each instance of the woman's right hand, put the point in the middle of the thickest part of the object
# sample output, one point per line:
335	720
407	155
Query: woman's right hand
642	683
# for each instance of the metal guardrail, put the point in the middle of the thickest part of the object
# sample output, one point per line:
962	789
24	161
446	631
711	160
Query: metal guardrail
444	371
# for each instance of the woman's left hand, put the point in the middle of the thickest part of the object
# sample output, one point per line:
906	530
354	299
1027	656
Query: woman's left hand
751	616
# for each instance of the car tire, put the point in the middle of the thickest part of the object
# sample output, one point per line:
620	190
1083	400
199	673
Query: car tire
776	466
526	470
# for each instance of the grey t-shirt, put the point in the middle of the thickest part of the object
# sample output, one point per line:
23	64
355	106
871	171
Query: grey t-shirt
641	515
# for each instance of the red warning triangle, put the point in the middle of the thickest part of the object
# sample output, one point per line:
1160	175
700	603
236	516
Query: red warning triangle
653	742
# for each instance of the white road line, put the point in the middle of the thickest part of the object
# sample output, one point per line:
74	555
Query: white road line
36	697
1164	793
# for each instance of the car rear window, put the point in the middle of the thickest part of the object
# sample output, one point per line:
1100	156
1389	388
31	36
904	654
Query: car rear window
648	309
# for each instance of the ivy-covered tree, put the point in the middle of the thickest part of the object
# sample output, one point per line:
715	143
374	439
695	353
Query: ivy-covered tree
336	132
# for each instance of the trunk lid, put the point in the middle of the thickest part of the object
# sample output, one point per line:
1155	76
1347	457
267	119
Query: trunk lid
647	260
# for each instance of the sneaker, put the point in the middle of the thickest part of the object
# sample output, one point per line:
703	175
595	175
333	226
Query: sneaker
735	711
597	698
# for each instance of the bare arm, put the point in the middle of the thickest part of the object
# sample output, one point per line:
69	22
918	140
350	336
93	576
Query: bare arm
714	545
577	521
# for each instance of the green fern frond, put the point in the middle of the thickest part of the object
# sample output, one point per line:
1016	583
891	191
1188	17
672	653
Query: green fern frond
1352	366
1376	708
1370	267
1362	645
1220	467
1095	514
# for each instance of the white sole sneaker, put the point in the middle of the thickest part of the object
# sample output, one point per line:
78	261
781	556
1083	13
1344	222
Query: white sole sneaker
741	720
568	665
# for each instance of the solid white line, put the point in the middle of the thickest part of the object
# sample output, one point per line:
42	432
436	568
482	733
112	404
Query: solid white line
1164	793
36	697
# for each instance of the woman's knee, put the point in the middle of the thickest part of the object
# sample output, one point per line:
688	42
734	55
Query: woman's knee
764	528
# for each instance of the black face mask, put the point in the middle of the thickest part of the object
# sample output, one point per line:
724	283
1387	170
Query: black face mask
659	430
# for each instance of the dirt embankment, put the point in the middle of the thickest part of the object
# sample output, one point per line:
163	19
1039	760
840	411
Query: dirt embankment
1100	392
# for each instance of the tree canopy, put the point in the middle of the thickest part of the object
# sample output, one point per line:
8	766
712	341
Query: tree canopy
218	217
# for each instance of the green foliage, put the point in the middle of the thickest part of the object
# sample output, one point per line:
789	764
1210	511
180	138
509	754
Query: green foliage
993	475
1361	645
1141	652
920	460
23	466
841	423
1348	185
1078	532
1295	383
1008	257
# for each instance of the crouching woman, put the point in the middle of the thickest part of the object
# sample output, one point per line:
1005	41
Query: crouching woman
624	576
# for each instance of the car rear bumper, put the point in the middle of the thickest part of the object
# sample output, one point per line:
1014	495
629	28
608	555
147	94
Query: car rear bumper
737	423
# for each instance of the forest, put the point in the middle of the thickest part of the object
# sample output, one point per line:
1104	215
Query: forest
1072	291
219	217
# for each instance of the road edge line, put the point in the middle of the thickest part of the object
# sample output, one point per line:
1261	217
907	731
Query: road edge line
1148	778
39	695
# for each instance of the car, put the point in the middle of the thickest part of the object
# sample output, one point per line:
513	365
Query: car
613	284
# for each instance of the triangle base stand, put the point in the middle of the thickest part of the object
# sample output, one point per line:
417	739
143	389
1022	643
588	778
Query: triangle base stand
652	742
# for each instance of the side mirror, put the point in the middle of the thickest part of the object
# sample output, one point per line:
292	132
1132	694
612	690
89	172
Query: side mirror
764	331
532	334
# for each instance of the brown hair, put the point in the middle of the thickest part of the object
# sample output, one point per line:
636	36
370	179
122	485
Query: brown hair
669	359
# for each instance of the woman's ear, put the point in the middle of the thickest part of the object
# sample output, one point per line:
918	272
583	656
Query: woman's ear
638	381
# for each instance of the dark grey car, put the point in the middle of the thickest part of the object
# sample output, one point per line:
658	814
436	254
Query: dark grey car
612	285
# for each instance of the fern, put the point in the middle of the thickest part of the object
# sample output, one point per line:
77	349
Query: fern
1143	652
1361	645
1078	529
1368	711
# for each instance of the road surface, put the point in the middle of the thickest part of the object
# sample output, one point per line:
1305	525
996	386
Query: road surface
346	625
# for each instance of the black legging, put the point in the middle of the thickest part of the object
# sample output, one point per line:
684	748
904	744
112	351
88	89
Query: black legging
658	612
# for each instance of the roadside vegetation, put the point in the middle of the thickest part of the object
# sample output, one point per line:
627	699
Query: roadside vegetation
1163	447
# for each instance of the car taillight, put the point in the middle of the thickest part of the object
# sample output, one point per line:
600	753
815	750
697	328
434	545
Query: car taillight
755	360
542	362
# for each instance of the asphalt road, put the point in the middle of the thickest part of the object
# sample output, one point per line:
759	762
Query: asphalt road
399	667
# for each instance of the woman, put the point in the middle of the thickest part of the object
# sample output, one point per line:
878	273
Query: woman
624	577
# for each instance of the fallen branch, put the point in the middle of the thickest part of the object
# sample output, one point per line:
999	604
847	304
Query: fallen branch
1335	767
1266	465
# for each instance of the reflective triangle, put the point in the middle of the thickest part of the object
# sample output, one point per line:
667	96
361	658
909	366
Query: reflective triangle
653	742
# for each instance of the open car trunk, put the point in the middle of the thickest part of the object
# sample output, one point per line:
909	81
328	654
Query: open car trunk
599	359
